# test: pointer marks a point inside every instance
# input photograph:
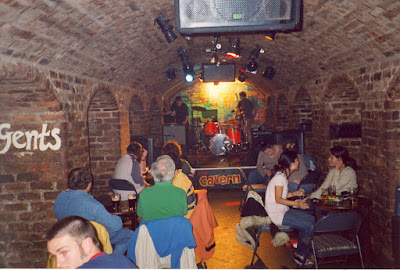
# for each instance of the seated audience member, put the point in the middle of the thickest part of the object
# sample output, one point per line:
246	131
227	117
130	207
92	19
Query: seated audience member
342	175
173	150
267	159
163	200
78	202
296	177
131	167
74	243
277	204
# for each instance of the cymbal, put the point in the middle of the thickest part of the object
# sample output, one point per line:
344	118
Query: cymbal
197	108
232	121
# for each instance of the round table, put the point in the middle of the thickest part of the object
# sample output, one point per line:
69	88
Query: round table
332	206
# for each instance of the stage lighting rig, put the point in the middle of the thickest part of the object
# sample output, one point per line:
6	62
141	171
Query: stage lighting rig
187	67
252	64
166	28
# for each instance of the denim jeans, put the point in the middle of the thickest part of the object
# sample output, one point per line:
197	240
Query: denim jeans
304	223
307	187
120	240
255	177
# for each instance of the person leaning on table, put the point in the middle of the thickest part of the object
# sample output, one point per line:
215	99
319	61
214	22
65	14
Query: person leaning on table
342	175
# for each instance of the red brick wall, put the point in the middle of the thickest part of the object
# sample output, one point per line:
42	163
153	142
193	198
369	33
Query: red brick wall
29	178
282	113
104	138
368	95
138	126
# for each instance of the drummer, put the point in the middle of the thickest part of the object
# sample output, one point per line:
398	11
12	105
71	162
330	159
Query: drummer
246	111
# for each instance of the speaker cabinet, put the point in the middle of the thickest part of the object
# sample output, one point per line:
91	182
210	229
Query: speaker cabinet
175	133
218	16
148	144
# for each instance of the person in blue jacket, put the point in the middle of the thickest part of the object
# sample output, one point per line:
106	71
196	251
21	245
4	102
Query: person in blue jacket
78	202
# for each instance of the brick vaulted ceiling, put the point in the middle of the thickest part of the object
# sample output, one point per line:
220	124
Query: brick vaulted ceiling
116	40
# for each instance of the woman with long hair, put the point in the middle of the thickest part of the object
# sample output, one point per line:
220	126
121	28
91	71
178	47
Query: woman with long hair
277	204
342	174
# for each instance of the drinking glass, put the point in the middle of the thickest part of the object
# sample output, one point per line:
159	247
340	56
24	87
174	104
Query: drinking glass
325	194
116	198
131	201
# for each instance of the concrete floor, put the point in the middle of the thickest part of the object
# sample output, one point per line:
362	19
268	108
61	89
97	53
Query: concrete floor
230	254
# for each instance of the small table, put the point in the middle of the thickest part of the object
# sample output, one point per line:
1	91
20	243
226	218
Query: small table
331	206
129	214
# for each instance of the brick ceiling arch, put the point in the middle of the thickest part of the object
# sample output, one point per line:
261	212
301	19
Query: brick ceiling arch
341	88
117	42
394	89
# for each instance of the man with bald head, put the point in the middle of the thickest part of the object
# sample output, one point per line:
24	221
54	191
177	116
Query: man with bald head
163	200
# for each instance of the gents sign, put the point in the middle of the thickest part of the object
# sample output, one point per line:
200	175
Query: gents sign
30	140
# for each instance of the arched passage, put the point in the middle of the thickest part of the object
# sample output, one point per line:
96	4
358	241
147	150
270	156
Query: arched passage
343	106
137	118
104	138
282	114
156	122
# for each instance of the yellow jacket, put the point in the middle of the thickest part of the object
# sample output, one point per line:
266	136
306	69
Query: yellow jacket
182	181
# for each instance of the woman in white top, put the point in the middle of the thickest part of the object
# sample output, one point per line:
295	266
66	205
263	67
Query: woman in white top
342	175
277	204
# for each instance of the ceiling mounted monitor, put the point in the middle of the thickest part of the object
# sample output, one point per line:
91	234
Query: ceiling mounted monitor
219	16
218	72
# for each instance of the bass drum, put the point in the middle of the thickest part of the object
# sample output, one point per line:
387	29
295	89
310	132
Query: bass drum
220	144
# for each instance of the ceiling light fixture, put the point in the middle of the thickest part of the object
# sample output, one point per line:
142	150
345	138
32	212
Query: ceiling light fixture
234	51
187	67
252	64
166	28
270	36
242	75
269	73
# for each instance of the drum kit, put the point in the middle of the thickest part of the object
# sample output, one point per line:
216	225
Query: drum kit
224	138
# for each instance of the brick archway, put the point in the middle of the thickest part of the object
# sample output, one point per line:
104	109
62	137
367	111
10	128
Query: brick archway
156	122
137	118
343	105
104	138
282	112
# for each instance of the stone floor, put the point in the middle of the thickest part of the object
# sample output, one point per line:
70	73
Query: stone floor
230	254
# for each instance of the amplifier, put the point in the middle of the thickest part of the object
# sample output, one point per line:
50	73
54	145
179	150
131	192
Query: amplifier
175	133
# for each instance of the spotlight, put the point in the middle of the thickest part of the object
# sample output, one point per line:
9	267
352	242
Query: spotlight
187	67
270	36
269	73
166	28
242	75
171	74
234	51
252	62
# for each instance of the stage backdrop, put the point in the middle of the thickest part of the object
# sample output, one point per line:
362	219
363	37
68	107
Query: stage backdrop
221	98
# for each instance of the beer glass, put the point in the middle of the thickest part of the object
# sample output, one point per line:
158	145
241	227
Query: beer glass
116	198
131	201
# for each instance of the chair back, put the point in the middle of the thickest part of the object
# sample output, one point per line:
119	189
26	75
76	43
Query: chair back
336	222
121	184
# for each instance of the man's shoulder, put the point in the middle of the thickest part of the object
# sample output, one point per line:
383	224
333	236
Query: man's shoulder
109	261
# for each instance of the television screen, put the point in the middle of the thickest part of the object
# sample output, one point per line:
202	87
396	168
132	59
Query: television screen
218	73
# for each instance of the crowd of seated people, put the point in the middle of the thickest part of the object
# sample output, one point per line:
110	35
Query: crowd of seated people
173	194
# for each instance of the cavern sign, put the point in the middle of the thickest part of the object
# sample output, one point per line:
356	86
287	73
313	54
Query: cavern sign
220	178
29	140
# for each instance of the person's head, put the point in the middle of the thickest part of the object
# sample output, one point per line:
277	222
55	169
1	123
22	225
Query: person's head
287	162
135	149
80	179
242	95
163	169
290	146
173	149
72	241
178	101
268	148
340	153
